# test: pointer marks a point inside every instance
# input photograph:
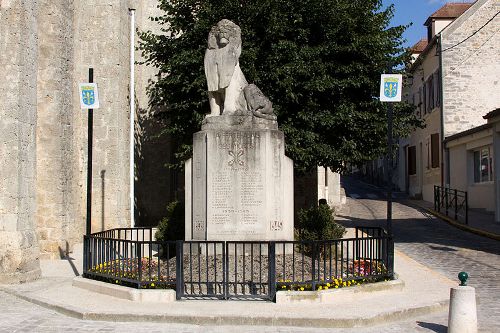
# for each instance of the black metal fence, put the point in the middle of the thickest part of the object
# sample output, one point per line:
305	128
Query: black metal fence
451	202
234	269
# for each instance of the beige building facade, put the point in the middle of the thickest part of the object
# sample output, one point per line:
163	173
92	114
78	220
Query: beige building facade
453	82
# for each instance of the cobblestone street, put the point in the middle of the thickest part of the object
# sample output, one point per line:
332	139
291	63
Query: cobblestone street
433	243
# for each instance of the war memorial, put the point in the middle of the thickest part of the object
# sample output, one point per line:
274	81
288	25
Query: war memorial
240	240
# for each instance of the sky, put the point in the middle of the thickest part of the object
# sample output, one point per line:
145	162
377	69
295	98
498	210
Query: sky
416	11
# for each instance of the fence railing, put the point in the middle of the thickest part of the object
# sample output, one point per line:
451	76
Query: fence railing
451	202
234	269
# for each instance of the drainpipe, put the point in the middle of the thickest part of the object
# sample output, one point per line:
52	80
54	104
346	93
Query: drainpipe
444	151
132	115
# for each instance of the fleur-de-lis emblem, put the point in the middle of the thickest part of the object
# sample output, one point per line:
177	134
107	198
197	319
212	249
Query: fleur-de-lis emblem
236	157
390	87
88	96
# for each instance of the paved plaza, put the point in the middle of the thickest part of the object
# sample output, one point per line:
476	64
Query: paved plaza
433	243
421	240
20	316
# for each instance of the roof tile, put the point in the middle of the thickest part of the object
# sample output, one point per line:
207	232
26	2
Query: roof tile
449	10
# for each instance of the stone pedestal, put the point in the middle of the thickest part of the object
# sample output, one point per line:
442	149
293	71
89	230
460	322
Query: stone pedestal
239	183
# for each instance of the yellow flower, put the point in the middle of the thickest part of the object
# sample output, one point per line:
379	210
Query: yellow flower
319	288
326	287
336	286
328	284
301	288
152	284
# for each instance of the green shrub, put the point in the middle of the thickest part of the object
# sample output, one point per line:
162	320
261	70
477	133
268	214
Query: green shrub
171	227
318	223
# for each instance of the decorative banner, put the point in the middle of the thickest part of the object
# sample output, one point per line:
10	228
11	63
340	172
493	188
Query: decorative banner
89	98
390	87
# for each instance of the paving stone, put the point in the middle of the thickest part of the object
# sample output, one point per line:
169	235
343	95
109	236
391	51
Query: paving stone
437	245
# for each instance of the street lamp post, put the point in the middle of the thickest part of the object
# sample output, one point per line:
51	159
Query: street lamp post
390	91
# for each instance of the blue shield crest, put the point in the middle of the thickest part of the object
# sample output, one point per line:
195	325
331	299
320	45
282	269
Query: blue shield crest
88	96
390	87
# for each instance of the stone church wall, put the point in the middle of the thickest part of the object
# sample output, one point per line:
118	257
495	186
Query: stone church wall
19	259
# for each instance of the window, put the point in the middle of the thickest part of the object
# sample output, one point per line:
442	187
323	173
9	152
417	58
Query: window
412	160
483	163
435	150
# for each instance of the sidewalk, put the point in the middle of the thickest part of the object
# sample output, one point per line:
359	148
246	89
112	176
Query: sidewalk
424	292
480	222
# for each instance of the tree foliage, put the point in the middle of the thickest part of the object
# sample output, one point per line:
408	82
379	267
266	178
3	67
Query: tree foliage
318	61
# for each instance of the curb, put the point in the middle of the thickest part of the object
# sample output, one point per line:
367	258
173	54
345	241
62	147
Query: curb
60	308
273	321
326	296
231	320
126	293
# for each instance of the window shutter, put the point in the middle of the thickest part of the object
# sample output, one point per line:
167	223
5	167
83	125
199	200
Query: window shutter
412	160
435	150
437	90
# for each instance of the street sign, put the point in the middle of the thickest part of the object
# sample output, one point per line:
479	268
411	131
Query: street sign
89	98
390	87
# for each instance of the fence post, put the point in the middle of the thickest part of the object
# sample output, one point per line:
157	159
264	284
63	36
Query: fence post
435	198
390	256
179	269
313	271
356	248
272	269
466	209
455	203
139	264
446	190
86	250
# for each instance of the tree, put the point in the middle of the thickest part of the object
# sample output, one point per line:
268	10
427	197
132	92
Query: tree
318	61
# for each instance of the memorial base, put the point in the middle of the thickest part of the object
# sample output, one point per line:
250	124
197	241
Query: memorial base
239	183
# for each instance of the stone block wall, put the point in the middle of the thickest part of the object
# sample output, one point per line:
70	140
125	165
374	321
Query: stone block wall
101	41
74	36
470	69
19	259
60	223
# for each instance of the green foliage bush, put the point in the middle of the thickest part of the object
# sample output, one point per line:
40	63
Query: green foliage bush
171	227
318	61
318	223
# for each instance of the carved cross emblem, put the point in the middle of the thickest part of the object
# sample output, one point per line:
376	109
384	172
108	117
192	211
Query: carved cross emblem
236	154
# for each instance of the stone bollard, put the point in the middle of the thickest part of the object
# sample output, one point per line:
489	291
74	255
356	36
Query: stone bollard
462	317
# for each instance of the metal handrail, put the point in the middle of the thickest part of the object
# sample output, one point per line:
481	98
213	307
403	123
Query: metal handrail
452	202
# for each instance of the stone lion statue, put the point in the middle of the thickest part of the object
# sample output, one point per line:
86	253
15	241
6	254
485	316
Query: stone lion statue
228	91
